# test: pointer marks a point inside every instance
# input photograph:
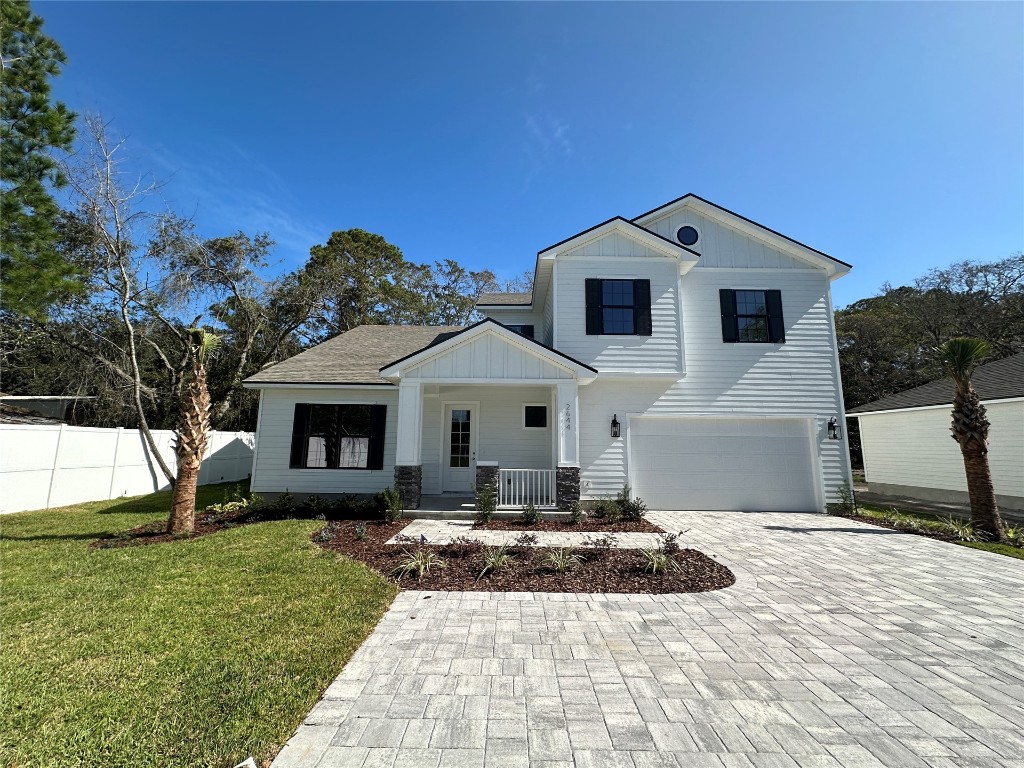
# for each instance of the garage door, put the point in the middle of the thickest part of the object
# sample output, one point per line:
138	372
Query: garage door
720	464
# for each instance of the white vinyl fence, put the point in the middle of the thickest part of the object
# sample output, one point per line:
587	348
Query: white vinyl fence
51	466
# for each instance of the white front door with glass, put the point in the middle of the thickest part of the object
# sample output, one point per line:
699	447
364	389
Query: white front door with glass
459	469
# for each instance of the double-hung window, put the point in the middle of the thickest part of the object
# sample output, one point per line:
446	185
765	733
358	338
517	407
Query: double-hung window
752	316
618	307
329	436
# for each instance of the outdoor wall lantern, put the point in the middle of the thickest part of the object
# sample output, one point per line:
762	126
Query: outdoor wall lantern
615	425
833	428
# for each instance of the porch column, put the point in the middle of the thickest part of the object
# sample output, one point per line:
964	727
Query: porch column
408	458
567	473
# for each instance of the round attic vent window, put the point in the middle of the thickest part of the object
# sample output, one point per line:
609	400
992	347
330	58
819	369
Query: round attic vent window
687	235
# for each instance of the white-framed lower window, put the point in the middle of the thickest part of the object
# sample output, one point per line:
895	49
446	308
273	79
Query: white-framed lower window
535	416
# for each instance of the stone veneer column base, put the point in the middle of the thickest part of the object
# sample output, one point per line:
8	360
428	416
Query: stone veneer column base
567	486
409	484
487	474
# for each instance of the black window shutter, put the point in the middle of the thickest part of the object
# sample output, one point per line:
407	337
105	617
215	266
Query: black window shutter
727	298
642	307
527	331
300	438
776	325
378	420
594	318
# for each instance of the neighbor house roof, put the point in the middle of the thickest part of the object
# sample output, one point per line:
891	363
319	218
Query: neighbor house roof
504	299
355	357
1000	380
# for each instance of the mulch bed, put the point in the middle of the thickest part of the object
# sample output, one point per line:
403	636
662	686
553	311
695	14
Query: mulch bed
587	525
603	569
206	523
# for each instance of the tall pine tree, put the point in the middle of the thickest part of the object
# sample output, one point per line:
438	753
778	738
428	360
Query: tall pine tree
31	127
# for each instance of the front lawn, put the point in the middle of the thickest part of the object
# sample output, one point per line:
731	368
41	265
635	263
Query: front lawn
913	521
198	652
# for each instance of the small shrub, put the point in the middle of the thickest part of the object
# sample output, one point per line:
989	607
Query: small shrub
393	506
285	501
961	530
463	546
495	558
419	562
318	504
630	508
324	535
576	513
606	510
360	531
256	501
563	559
847	506
526	539
601	545
531	515
670	542
486	503
1014	535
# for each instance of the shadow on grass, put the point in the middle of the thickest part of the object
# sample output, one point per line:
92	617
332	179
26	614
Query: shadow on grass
794	529
52	537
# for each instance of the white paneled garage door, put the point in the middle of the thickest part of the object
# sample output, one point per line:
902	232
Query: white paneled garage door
723	463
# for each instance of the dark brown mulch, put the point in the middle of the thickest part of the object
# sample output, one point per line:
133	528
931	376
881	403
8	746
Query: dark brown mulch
156	532
603	569
587	525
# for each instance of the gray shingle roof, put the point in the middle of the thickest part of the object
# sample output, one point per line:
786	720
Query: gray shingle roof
994	381
355	357
510	299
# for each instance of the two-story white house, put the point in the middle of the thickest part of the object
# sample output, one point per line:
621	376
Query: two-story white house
689	353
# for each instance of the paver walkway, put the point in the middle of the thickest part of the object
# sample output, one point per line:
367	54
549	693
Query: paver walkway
842	644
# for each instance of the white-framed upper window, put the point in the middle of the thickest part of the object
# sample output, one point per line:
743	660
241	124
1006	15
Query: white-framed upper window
535	416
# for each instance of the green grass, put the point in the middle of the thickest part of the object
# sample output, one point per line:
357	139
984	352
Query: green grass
192	653
876	512
999	549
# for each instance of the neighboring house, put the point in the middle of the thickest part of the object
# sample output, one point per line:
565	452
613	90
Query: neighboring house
909	451
689	353
39	409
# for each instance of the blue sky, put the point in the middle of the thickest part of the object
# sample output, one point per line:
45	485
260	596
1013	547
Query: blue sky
887	135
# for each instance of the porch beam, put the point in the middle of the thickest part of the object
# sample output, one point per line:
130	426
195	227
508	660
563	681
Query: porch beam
567	403
410	424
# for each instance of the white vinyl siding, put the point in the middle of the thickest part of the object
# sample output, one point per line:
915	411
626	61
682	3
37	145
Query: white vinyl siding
500	433
914	448
722	246
762	464
271	472
797	378
657	353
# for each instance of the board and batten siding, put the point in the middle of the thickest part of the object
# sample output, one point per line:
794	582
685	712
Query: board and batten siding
722	246
657	353
500	433
796	379
913	449
487	356
271	472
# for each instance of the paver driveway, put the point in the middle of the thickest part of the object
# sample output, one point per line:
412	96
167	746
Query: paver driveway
841	644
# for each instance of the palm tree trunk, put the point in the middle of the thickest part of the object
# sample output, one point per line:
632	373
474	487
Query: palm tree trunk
984	511
193	435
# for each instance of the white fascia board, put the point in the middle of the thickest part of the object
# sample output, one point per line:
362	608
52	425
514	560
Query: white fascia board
394	372
944	406
627	229
833	268
305	385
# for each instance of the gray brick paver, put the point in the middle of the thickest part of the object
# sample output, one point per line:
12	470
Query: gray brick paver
834	649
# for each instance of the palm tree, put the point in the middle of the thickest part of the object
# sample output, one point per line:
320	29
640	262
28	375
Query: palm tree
192	433
970	429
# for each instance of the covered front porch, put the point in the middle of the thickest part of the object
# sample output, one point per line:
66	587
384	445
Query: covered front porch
488	407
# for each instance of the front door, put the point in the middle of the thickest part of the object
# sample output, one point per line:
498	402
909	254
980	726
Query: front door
459	469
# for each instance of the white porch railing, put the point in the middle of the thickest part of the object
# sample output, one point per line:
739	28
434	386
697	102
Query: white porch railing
519	487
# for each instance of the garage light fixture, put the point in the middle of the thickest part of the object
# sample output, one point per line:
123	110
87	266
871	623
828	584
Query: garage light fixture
615	425
833	428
